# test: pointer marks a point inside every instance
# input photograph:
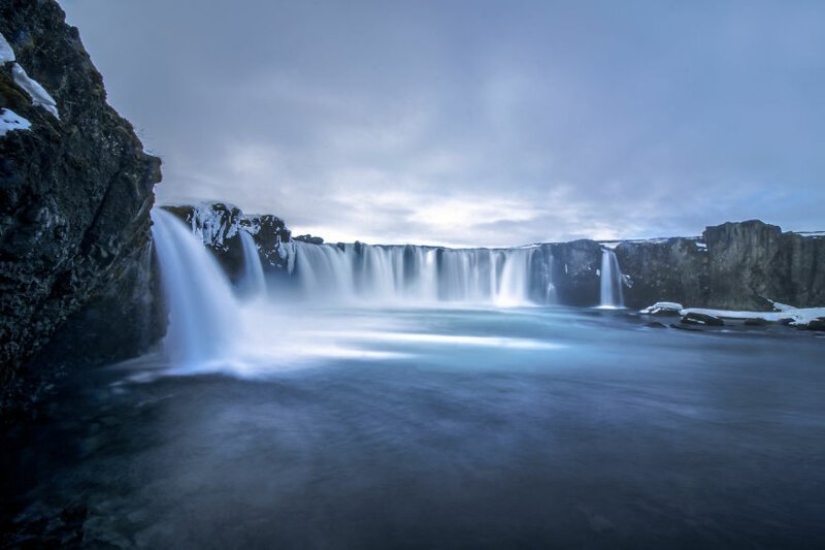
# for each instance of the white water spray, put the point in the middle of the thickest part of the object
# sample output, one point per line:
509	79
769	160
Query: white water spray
203	314
253	284
611	281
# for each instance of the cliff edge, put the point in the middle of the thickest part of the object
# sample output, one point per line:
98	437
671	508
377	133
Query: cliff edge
76	189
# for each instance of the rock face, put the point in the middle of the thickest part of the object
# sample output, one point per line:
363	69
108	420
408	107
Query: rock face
75	196
673	269
732	266
568	273
751	261
218	225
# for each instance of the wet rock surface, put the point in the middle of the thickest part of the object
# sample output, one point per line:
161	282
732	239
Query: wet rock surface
218	225
75	195
702	320
732	266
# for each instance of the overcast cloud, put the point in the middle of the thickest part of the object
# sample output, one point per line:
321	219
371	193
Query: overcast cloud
472	122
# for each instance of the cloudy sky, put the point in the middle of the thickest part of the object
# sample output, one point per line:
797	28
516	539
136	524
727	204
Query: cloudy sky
476	122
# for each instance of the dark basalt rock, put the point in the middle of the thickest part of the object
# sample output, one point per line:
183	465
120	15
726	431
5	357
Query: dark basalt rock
817	324
219	225
309	239
751	261
732	266
75	196
674	269
702	320
575	271
274	240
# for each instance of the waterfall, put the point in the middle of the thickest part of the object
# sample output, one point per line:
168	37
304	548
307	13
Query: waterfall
611	281
414	274
253	283
512	288
203	315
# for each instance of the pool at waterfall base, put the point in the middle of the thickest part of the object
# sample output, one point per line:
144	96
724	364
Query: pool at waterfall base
384	428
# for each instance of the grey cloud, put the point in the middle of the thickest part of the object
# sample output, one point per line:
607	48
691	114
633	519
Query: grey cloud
600	118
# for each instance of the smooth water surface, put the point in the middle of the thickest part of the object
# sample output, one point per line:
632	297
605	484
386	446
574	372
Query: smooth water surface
449	428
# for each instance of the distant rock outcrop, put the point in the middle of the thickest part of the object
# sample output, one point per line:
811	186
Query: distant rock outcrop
76	189
218	224
732	266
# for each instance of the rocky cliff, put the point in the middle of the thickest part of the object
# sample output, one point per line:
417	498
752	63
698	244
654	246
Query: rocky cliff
218	226
76	189
731	266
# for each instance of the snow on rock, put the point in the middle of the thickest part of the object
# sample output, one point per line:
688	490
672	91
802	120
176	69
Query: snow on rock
796	317
213	225
6	53
663	307
805	317
781	307
10	121
40	97
735	315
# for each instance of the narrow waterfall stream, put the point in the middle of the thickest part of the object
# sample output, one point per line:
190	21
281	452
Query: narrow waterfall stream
253	283
611	281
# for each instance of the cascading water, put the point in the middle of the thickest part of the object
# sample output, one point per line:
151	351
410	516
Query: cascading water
203	314
611	281
414	274
253	283
512	288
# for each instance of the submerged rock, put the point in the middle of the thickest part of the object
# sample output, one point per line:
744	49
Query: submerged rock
701	319
76	188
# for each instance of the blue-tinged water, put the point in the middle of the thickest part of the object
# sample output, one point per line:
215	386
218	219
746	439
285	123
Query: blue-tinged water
447	428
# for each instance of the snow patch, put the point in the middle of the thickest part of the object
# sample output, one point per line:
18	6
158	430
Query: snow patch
661	307
798	317
40	97
803	317
10	121
211	226
773	316
6	53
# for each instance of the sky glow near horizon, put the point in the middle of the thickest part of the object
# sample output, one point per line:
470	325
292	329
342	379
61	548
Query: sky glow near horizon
476	123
